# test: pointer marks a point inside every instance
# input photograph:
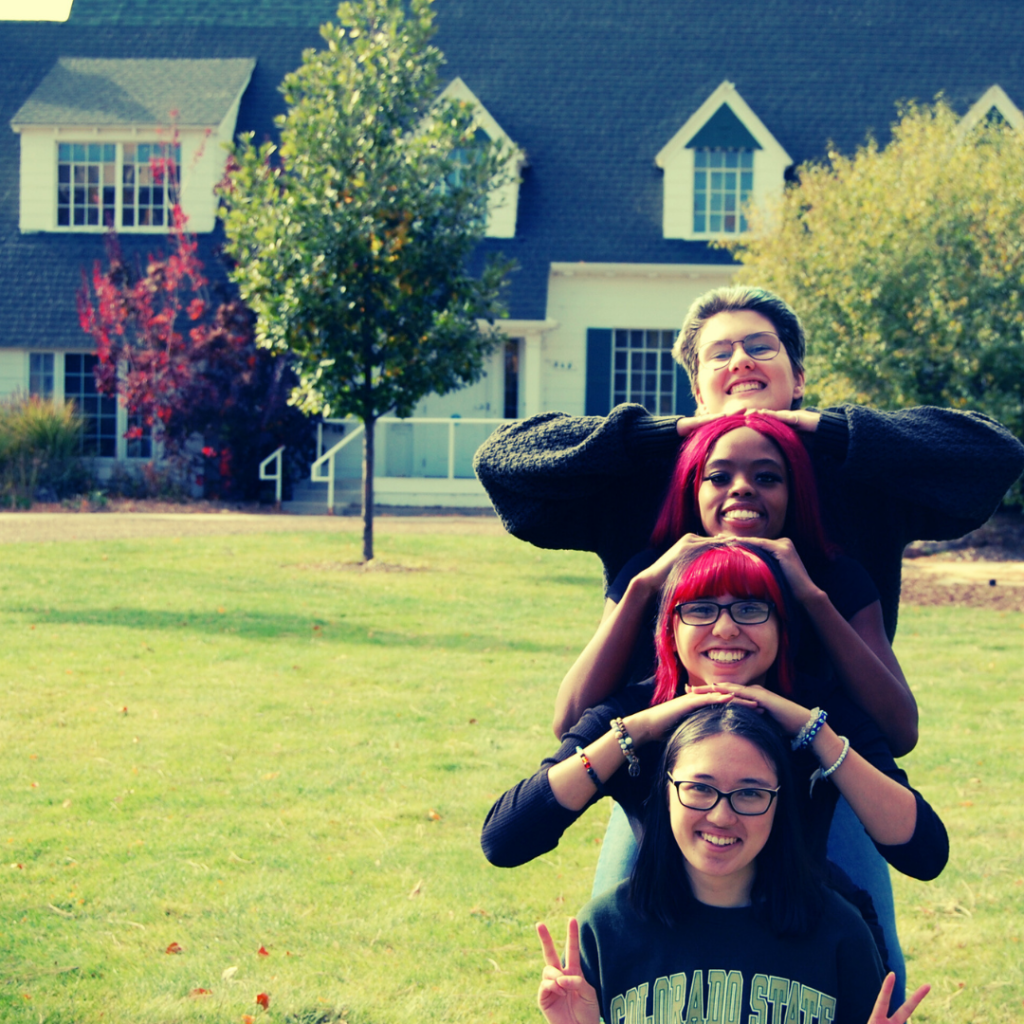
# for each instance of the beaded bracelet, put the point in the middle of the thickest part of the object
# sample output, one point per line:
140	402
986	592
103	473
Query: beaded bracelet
810	729
826	772
626	743
590	770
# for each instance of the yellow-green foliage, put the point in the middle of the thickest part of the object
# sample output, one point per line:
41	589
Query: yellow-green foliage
906	265
38	443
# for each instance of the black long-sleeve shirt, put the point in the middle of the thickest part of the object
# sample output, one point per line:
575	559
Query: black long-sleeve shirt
596	483
528	821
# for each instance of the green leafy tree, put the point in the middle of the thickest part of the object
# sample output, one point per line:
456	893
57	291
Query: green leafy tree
906	264
351	238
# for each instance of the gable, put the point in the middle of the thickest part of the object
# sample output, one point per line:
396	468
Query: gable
993	105
723	130
503	202
722	160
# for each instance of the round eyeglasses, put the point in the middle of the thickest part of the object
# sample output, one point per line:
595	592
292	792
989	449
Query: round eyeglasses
705	613
699	796
761	346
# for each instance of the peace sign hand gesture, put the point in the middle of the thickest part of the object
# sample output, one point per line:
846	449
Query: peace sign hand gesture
880	1014
565	996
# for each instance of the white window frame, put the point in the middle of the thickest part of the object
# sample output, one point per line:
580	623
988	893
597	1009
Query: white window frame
664	365
677	163
171	194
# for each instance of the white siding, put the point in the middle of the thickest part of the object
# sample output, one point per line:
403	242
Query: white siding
38	180
648	296
13	372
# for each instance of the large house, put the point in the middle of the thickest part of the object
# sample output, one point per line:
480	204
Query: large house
638	132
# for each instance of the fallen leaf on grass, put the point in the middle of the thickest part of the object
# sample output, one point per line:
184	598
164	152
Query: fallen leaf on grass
248	1019
433	815
263	1000
228	973
416	889
57	910
197	992
174	948
262	951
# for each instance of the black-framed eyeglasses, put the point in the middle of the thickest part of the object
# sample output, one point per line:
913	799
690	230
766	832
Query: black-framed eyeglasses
699	796
761	346
705	613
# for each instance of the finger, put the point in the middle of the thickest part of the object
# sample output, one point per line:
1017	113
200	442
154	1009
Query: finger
547	944
904	1012
881	1007
572	947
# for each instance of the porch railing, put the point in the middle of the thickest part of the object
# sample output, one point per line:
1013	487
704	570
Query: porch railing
323	468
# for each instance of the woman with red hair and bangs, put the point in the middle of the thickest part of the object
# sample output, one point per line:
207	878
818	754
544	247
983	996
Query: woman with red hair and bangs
722	569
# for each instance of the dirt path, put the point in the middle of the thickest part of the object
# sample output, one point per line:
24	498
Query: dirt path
35	527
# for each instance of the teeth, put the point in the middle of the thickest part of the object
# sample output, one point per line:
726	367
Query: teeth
726	656
741	513
747	385
719	840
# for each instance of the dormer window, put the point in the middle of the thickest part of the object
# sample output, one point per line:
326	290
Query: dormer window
719	162
503	202
116	143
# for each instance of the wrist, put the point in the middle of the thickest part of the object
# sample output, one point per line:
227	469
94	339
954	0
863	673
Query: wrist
827	745
643	586
636	725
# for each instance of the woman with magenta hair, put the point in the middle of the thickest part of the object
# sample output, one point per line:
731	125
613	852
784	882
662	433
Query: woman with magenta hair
725	634
748	476
723	912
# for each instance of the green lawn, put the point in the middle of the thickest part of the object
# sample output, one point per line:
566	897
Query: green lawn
236	743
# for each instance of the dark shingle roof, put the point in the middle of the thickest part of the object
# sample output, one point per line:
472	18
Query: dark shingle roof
591	89
85	91
237	13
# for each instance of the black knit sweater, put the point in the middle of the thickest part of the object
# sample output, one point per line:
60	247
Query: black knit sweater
594	483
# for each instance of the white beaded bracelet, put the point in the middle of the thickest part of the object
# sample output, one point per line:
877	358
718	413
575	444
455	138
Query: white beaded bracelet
826	772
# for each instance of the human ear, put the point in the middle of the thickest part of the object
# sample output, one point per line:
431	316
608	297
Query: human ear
798	385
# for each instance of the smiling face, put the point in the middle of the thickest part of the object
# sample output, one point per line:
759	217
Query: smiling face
726	652
744	489
743	382
719	846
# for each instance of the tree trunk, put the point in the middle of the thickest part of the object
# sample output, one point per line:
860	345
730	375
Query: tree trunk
369	424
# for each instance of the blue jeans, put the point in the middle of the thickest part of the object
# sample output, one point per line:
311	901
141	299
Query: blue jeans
848	846
618	852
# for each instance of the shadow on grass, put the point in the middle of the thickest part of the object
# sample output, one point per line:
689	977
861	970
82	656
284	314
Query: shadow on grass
259	626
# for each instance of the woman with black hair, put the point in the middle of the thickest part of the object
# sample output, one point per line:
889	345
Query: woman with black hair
724	917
